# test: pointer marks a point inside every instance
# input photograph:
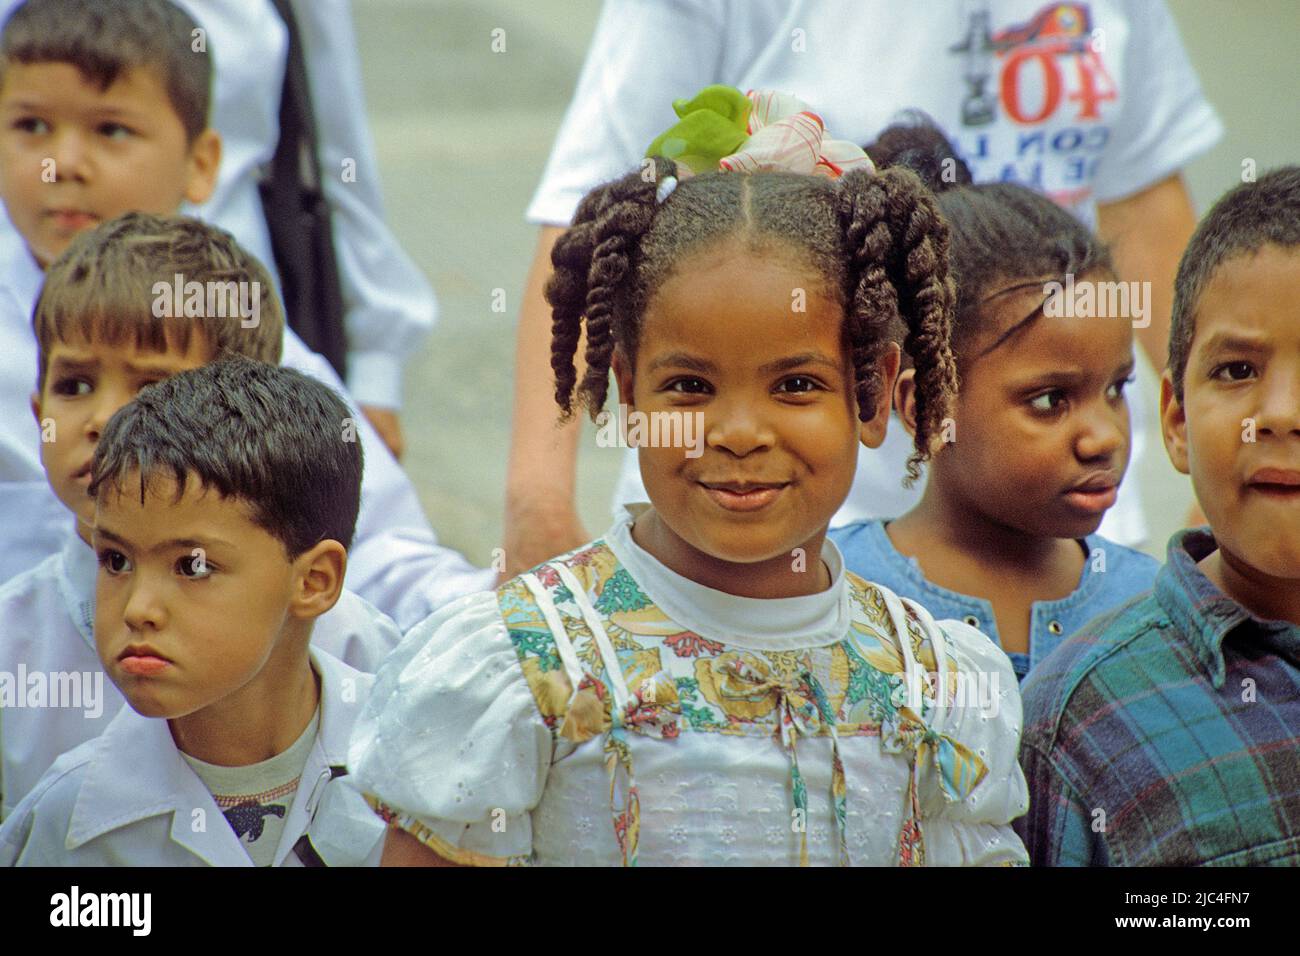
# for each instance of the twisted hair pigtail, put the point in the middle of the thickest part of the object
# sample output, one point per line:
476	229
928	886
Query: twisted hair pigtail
590	271
566	292
619	228
899	247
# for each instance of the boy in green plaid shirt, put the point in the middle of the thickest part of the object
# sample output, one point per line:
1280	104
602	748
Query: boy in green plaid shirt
1167	732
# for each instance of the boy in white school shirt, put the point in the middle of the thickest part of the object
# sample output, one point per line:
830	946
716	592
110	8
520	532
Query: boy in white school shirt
225	498
100	340
104	109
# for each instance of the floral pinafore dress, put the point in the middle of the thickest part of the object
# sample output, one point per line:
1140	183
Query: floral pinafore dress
604	662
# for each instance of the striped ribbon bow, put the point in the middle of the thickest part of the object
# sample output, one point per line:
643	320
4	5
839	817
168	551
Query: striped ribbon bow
721	128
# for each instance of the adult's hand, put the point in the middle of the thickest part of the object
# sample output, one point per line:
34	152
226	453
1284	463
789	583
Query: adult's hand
389	427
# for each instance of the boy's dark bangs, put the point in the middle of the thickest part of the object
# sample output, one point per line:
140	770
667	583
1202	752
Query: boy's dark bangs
98	64
115	315
151	468
113	474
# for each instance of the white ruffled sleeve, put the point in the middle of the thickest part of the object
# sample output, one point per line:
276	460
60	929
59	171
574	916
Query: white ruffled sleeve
983	714
451	745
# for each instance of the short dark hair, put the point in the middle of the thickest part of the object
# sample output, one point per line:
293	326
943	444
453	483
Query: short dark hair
103	38
102	289
997	231
262	434
1246	218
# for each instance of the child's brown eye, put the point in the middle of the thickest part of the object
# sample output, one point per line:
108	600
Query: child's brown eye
1235	371
1118	388
31	124
1048	401
799	383
689	386
114	562
72	387
115	131
194	566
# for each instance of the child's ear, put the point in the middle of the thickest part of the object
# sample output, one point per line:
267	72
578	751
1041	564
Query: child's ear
1173	423
872	432
623	377
318	579
905	399
204	162
35	399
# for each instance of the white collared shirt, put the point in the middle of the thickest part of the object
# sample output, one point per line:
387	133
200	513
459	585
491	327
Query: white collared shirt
88	810
47	635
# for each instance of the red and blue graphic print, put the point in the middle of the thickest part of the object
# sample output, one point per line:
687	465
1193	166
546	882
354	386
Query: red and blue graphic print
1044	79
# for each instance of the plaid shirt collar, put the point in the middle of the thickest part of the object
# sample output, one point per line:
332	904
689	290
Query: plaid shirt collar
1204	616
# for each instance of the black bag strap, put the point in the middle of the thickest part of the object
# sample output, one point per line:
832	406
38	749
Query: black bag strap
298	214
303	849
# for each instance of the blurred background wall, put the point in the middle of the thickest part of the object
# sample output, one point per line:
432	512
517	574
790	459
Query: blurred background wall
462	134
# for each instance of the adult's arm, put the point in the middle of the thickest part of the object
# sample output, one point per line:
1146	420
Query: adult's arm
1147	233
541	514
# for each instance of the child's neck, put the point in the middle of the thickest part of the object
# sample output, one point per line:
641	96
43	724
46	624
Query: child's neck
778	577
256	722
1274	599
938	522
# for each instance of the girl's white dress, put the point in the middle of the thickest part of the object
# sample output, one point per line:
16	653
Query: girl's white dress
602	709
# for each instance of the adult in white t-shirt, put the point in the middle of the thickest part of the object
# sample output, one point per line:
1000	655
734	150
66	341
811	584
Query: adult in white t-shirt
1094	103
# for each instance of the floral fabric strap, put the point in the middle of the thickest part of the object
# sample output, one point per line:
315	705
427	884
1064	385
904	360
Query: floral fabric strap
625	804
722	129
624	798
959	770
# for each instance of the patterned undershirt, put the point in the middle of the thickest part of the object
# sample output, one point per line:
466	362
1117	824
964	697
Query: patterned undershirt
255	799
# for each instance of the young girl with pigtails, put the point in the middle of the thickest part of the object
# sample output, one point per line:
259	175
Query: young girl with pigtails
706	683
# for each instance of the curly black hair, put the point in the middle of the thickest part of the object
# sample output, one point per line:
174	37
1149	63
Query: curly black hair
878	241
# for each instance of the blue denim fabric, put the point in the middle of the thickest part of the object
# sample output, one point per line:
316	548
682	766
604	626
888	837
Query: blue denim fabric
1112	574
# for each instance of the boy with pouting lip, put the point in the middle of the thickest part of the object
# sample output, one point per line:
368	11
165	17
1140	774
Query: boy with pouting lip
225	499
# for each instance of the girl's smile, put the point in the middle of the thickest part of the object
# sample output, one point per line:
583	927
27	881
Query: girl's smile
744	496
